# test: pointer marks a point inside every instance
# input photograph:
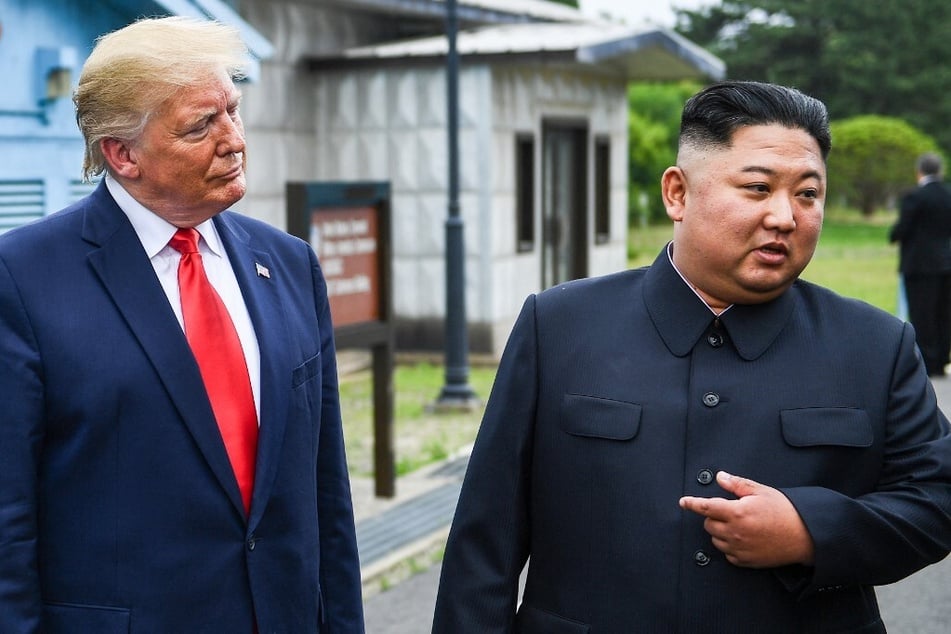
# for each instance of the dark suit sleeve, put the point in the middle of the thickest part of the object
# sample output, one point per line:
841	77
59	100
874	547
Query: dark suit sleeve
339	563
907	218
489	539
21	415
905	524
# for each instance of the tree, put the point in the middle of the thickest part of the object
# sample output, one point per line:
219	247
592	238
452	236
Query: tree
859	57
654	124
873	159
570	3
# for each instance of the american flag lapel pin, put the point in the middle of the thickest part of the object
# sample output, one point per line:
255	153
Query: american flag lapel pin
262	270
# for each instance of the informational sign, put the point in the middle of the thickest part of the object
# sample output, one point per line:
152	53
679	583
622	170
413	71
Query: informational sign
348	246
348	226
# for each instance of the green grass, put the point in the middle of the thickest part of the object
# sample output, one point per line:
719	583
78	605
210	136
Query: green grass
853	258
421	436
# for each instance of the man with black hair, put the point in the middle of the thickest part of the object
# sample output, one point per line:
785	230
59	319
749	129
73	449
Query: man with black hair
923	232
708	444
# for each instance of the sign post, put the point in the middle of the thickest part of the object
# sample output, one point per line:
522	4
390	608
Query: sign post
348	225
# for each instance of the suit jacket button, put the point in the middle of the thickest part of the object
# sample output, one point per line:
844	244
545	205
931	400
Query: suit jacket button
251	542
711	400
701	558
715	339
705	476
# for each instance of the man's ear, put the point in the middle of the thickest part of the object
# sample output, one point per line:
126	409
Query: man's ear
119	156
673	191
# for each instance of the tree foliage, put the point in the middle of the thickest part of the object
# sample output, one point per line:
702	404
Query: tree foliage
654	123
873	159
860	57
570	3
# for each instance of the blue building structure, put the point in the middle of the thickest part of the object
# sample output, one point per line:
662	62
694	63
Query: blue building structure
43	44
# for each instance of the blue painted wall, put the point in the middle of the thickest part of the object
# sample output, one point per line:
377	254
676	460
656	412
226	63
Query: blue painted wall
41	149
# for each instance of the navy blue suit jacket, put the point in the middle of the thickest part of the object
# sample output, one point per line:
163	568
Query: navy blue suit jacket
618	395
119	511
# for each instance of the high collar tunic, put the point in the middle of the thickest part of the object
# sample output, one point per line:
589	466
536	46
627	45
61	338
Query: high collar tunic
618	395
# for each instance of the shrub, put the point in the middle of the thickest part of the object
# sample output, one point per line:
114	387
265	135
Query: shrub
873	159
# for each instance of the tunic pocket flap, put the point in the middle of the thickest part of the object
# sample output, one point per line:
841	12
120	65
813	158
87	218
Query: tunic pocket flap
597	417
840	426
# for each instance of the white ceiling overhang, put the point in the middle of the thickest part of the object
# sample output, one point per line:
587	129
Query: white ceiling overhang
647	53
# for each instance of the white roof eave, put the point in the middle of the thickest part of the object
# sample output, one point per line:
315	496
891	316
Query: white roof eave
654	45
649	53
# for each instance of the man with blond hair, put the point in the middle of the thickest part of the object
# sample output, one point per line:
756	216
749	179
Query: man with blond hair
172	451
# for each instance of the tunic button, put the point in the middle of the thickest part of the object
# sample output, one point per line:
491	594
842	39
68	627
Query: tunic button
715	339
705	476
701	558
251	542
711	400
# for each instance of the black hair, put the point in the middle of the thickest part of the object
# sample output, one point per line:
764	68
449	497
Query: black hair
712	115
929	164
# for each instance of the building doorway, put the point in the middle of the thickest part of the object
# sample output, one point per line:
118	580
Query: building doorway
564	202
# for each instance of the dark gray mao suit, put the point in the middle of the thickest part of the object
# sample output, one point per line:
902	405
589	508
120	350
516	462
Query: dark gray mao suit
618	395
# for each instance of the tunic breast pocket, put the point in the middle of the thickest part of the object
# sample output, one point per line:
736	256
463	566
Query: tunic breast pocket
832	447
818	426
597	417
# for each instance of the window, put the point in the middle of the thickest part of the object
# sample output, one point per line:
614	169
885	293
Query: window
78	189
525	192
602	190
20	202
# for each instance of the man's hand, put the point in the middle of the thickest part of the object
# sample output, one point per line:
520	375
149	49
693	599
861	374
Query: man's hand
760	529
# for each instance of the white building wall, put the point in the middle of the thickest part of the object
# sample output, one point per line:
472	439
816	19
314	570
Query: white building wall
390	124
523	98
279	108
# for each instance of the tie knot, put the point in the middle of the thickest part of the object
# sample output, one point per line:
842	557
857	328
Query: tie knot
185	241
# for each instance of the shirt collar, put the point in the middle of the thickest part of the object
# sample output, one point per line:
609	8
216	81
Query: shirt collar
670	256
681	317
154	231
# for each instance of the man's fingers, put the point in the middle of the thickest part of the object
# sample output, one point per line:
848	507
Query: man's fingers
708	507
740	487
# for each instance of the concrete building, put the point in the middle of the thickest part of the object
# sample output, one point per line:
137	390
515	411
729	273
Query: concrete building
355	90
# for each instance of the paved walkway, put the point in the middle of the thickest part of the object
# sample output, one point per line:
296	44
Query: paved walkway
391	532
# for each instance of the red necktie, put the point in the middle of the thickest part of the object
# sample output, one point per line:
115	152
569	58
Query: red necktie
217	349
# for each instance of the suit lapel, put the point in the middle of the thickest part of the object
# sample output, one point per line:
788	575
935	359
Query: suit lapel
128	276
262	298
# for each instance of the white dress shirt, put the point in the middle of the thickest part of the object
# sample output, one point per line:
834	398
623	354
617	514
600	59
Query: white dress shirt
154	233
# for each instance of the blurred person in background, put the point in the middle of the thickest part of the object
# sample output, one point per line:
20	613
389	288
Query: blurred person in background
923	234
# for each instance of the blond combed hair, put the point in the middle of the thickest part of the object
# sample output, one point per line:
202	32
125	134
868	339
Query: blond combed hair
133	71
